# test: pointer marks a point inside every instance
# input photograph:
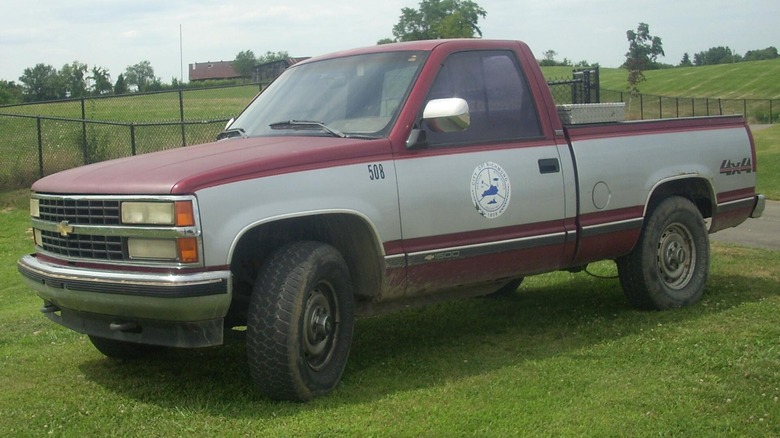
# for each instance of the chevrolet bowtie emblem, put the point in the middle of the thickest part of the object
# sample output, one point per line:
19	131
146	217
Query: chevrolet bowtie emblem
64	228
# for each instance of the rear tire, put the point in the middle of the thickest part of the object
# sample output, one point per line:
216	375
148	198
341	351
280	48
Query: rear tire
300	322
669	266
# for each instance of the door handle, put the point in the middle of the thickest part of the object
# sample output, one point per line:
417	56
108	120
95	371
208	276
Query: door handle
549	165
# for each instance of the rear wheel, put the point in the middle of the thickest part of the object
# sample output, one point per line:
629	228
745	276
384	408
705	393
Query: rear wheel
300	321
669	266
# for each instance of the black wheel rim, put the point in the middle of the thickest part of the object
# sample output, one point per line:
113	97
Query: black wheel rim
320	325
676	256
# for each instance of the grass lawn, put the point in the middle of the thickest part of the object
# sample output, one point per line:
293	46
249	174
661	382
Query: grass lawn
564	356
743	80
768	157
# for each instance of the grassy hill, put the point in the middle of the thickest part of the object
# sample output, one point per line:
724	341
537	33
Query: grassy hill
744	80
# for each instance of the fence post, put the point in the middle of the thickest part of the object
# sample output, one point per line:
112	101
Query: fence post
40	148
132	138
586	86
744	109
84	146
771	118
660	108
181	118
677	106
641	107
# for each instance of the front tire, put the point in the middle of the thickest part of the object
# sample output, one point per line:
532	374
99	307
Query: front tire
669	266
300	322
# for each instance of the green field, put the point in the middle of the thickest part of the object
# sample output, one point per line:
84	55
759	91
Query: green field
747	88
197	104
744	80
768	158
564	356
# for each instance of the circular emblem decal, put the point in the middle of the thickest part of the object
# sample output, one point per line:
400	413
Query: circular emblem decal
490	190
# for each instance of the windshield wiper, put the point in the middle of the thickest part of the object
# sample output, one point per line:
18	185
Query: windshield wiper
307	124
232	132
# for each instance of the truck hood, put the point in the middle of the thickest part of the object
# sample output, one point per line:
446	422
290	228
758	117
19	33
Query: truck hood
186	170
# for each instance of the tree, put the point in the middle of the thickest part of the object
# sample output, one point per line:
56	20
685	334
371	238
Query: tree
718	55
436	19
686	60
120	87
10	92
101	81
697	59
41	83
141	75
245	63
271	57
73	79
643	50
760	55
549	58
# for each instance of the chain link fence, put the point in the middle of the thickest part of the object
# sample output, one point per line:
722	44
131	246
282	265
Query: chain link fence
582	87
44	138
648	106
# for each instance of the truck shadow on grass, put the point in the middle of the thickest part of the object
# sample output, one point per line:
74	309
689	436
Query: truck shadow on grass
555	315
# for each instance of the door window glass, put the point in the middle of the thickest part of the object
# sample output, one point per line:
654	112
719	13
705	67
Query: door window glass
500	103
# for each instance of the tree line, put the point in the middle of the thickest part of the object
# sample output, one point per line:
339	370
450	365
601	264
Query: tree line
44	82
724	55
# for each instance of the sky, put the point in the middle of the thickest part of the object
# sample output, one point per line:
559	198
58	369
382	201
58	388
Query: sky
171	34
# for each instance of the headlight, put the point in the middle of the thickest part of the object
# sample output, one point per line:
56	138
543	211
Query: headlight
148	213
178	213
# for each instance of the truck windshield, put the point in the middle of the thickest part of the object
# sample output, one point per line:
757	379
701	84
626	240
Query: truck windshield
354	96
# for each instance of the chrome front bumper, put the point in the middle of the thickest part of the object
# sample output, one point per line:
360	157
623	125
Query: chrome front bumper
174	309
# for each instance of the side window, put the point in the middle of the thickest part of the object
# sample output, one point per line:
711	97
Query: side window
500	103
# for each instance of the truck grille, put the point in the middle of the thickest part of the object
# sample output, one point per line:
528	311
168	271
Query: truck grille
80	211
84	246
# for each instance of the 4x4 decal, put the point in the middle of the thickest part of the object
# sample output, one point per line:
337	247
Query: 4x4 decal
729	167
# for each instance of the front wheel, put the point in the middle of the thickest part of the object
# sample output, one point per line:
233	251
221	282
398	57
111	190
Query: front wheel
669	266
300	321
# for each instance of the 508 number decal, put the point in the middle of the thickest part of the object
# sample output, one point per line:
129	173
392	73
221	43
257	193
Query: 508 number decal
375	172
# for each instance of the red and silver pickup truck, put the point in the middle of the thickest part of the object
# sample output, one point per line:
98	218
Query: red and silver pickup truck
371	179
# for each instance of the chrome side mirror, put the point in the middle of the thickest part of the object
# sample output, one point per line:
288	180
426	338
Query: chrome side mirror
447	115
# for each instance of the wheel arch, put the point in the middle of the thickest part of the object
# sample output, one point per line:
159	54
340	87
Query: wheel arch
352	234
695	188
